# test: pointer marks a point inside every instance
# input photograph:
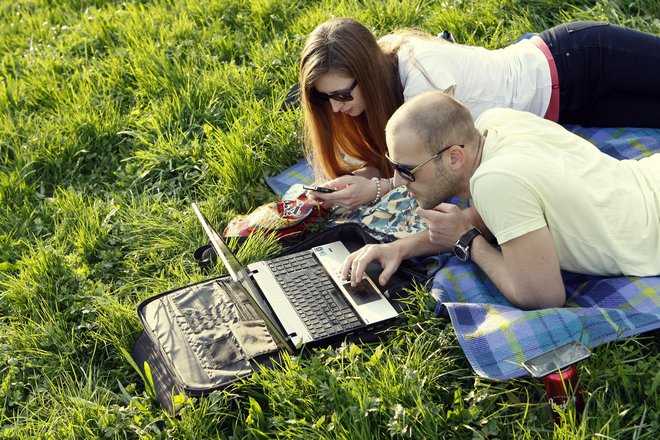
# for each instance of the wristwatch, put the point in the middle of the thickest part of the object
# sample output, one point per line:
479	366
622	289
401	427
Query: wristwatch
463	244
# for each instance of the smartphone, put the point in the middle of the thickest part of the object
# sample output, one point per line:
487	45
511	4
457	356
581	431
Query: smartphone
318	188
557	359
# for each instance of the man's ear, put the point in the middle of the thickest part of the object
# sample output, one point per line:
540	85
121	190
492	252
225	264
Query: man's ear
456	156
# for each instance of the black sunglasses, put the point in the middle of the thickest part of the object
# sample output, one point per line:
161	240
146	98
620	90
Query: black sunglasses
342	96
409	173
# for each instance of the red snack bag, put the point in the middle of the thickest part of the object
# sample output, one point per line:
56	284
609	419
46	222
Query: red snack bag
286	218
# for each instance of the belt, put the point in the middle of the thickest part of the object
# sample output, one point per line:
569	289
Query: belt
553	107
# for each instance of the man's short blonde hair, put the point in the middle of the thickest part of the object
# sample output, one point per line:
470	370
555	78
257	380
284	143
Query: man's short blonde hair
437	119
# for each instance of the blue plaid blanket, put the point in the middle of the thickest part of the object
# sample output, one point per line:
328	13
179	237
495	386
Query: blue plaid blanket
297	174
495	335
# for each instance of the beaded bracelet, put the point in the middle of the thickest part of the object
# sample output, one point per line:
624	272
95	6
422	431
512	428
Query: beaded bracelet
377	198
390	184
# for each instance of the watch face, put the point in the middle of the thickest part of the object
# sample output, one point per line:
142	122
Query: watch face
461	252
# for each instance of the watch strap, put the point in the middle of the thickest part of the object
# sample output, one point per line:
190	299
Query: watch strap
467	238
464	243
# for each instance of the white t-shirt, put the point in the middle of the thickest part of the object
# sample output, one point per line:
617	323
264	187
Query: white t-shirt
517	76
603	213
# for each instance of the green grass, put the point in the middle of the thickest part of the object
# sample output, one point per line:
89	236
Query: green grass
114	116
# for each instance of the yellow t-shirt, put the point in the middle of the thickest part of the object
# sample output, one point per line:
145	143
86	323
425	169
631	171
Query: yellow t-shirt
603	213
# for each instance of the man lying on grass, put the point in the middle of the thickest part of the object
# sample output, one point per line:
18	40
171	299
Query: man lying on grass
551	199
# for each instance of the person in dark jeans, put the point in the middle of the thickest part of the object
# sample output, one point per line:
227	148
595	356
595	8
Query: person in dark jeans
608	75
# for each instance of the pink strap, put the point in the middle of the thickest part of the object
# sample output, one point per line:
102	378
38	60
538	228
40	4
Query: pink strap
553	107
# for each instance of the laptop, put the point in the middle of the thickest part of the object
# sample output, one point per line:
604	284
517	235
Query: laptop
301	297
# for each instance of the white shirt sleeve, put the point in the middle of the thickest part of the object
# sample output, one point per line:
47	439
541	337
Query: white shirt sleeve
509	207
423	71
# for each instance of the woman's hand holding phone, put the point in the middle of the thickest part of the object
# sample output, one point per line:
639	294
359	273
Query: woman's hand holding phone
346	191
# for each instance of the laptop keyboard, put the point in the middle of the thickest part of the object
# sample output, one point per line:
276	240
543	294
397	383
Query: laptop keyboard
318	302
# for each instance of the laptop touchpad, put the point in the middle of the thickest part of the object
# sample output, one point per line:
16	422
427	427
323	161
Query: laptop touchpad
363	293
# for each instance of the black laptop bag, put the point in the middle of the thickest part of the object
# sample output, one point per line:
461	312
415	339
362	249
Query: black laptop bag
203	337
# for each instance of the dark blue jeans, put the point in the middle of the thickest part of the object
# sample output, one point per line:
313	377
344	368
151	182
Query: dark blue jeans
609	76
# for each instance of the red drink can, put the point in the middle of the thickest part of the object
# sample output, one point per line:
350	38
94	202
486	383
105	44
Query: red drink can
562	389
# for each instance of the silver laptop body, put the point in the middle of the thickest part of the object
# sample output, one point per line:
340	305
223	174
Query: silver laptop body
277	309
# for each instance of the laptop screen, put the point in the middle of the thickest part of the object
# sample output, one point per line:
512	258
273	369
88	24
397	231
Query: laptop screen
238	272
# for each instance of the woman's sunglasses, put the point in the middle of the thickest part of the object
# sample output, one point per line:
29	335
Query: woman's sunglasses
342	96
409	173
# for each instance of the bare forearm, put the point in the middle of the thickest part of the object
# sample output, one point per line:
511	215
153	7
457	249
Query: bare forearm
491	261
527	288
367	172
389	255
526	271
418	245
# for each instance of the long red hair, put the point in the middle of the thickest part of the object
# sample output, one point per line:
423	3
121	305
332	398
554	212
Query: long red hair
345	46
